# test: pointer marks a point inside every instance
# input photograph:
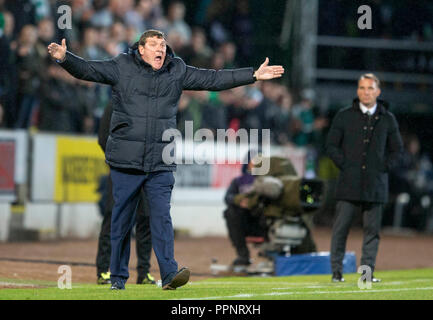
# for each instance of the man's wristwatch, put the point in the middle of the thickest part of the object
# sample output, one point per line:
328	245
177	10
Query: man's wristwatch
60	61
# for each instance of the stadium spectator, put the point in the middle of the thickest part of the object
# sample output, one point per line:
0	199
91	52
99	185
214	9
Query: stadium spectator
46	35
214	113
177	42
23	12
90	48
118	37
8	70
217	61
131	34
217	20
198	54
250	109
176	22
97	44
142	16
228	50
281	117
205	109
303	119
103	28
29	65
243	31
64	105
305	125
119	9
102	15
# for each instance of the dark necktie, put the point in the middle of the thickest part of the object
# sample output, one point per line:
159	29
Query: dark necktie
369	117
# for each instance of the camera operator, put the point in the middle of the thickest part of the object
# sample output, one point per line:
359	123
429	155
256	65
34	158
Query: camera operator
240	220
260	206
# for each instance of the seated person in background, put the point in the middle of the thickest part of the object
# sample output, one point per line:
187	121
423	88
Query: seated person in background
239	219
277	206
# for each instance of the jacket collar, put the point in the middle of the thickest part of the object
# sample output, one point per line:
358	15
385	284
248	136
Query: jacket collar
382	106
133	51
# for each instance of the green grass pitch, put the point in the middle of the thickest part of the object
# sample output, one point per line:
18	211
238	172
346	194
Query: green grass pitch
395	285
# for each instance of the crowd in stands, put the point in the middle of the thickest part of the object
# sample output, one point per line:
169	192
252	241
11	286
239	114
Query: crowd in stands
37	93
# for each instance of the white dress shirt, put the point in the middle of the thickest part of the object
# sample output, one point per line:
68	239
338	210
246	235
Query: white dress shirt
364	109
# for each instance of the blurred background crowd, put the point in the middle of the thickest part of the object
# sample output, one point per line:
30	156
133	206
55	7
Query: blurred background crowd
36	94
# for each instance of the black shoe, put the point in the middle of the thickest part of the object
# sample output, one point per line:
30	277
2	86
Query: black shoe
240	265
146	279
241	261
337	277
180	278
117	285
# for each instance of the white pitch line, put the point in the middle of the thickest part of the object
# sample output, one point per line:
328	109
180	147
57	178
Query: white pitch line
297	284
310	285
15	284
343	285
216	298
308	293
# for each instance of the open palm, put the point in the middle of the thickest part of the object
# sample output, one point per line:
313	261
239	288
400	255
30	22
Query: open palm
266	72
57	51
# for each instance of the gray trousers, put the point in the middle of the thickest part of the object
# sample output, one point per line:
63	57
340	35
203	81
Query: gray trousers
372	218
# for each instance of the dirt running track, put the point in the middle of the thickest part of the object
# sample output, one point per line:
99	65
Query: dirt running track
395	252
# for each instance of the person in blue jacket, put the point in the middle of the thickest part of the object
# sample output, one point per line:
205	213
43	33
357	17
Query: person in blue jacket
147	83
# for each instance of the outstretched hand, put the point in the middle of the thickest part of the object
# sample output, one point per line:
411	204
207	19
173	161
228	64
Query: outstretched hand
57	51
266	72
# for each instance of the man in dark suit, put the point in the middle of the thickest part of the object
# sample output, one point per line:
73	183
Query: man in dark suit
364	142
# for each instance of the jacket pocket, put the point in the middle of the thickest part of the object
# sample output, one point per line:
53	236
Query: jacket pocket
125	151
119	126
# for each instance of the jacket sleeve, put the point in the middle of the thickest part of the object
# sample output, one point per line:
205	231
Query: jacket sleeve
334	140
213	80
102	71
394	146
